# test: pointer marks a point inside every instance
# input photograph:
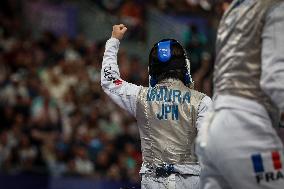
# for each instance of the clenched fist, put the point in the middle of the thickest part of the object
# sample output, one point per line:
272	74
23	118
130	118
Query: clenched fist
118	31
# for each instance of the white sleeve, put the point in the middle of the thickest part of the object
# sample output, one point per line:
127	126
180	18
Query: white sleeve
272	72
204	106
121	92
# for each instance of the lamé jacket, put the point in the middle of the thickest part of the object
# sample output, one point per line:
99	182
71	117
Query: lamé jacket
168	115
250	59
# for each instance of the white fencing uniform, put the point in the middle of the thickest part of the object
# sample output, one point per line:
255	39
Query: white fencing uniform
238	146
168	118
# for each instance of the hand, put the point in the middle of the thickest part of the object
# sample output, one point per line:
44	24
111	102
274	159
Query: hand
118	31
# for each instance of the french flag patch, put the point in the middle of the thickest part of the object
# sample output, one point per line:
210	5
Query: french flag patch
258	163
268	167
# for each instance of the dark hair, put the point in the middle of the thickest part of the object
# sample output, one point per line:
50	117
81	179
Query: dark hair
174	68
173	74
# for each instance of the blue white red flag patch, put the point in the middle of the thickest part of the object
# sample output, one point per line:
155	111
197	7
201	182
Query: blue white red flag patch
267	166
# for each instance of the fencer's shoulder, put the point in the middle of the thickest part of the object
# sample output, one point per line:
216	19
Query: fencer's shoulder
143	93
197	93
203	98
144	89
207	101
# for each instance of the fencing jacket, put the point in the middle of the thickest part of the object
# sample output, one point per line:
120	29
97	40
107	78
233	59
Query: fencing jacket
249	56
168	115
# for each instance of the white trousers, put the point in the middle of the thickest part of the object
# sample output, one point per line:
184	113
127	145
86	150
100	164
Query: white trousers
239	149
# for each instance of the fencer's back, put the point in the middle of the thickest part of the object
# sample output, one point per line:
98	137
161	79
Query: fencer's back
237	68
166	116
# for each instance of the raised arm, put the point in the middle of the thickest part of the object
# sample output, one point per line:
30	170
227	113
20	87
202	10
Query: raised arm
121	92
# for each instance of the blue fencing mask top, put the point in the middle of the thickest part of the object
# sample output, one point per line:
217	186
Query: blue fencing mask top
164	51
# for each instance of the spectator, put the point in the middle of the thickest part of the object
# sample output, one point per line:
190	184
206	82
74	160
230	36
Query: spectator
132	15
27	154
83	164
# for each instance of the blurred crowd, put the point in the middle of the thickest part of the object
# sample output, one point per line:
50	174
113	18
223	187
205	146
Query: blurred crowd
169	6
133	13
192	7
55	118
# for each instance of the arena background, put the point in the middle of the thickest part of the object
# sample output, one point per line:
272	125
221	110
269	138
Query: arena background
57	128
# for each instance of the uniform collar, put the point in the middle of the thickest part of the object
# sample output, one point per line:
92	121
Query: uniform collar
170	82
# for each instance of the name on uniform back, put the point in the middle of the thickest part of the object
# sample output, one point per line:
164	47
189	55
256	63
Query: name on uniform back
170	98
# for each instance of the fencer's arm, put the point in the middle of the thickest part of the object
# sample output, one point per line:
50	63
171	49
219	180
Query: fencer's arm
272	72
203	108
121	92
